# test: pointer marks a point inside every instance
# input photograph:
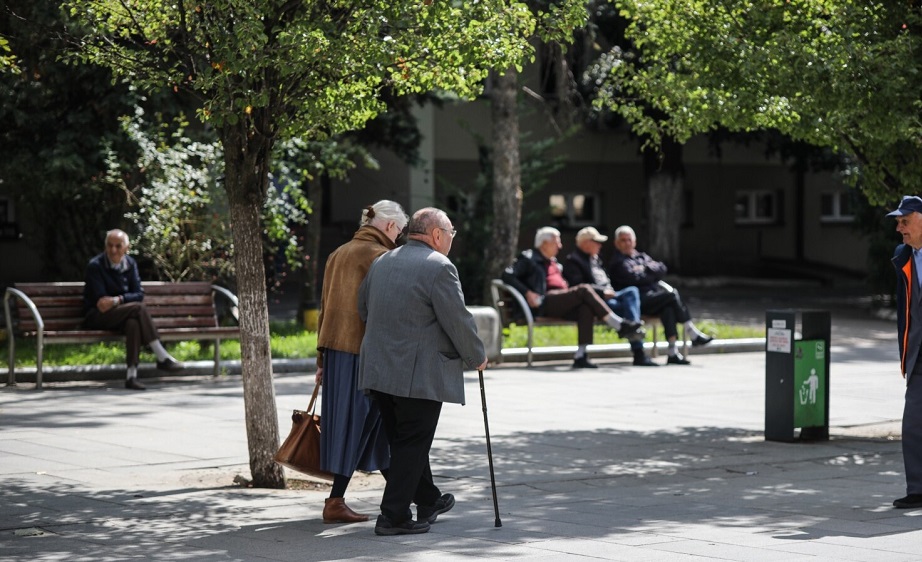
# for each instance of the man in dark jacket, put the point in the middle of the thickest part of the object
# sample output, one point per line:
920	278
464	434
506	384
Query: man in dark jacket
630	267
907	259
113	300
538	276
583	265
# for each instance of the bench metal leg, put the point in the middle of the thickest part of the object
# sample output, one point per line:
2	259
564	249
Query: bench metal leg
654	352
11	374
217	358
39	357
531	342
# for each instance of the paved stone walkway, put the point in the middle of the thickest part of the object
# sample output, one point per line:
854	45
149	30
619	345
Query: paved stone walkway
623	463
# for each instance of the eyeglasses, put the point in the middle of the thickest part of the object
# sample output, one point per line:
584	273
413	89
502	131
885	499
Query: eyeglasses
451	232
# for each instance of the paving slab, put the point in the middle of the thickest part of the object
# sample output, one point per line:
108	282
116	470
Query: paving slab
620	463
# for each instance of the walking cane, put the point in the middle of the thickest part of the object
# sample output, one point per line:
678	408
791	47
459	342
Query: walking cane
486	427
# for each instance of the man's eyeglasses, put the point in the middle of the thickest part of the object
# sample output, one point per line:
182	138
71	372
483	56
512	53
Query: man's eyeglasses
451	232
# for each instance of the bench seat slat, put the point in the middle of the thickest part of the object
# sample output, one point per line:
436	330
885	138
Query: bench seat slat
180	311
170	334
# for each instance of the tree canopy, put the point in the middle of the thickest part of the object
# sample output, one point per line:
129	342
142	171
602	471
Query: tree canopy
843	74
267	70
319	64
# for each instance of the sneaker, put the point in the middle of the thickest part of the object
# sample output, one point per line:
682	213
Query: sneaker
134	384
441	505
702	340
385	527
911	501
677	359
584	363
643	360
631	331
170	365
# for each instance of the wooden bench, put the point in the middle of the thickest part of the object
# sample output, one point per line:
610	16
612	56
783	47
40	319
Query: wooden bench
501	294
52	313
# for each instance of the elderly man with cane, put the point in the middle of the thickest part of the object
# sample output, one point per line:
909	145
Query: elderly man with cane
418	338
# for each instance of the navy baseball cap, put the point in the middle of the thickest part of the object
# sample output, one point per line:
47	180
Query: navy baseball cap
909	204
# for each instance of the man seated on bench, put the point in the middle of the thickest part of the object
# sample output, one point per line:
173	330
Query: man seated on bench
631	267
112	300
583	265
539	277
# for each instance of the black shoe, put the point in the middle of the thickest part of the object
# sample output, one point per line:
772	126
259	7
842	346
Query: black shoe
170	365
583	363
702	340
431	513
384	527
641	360
134	384
909	502
631	331
677	359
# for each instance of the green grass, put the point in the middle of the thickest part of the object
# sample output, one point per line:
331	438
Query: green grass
516	336
288	340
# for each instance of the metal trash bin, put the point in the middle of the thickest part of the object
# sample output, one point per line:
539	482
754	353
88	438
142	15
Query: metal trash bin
797	375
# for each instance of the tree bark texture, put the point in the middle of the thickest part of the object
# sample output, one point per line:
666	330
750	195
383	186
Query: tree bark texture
564	88
246	181
507	175
665	184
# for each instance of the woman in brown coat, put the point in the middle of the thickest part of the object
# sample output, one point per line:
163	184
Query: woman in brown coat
352	436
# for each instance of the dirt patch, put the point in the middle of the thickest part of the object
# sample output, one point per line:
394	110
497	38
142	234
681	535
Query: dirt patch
297	481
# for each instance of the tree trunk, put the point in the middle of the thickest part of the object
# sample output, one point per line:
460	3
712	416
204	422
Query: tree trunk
564	111
665	183
246	160
507	175
309	289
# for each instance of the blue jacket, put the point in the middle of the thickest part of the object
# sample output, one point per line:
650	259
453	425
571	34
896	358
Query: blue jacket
909	335
103	281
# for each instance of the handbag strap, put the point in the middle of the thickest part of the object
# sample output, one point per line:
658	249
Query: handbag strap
310	407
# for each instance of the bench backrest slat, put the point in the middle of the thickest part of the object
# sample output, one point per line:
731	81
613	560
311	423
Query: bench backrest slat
171	305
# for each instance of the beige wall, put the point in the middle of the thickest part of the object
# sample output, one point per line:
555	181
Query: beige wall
838	245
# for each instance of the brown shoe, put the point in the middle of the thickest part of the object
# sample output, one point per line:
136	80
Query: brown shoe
335	510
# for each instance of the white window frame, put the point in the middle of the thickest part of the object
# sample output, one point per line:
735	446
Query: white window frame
753	196
569	217
836	217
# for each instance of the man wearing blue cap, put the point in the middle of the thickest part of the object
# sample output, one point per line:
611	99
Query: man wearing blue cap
907	260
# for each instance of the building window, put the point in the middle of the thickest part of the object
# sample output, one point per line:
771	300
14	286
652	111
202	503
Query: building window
574	209
757	207
837	207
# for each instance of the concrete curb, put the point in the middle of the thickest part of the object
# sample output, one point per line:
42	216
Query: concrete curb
73	373
519	354
76	373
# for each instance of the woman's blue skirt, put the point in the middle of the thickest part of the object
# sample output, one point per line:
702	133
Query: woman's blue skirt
352	436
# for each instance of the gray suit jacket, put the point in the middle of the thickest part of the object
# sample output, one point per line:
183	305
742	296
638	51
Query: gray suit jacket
418	333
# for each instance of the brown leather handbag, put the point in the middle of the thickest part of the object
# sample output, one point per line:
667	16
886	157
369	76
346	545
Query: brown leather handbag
301	449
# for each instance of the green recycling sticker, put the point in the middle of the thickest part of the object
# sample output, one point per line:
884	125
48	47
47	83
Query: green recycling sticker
809	383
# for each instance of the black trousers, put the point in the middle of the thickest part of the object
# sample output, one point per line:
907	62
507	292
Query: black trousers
130	318
912	431
668	306
410	425
580	303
